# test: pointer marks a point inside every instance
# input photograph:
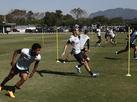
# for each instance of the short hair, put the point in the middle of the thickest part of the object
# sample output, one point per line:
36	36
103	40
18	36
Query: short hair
35	46
73	29
134	26
85	31
98	25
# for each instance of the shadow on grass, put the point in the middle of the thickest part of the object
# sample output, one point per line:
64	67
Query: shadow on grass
112	58
41	72
97	46
62	61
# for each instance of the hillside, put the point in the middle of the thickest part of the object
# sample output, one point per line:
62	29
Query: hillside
118	12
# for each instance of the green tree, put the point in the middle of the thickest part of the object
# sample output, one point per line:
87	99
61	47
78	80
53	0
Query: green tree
68	20
78	13
50	19
100	19
29	15
1	18
116	21
59	17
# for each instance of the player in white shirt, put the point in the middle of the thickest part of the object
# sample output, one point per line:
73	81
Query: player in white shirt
110	35
74	40
107	34
98	32
85	44
69	53
21	66
84	39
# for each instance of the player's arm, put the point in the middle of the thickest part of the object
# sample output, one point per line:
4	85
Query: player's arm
136	37
16	52
88	44
65	47
34	68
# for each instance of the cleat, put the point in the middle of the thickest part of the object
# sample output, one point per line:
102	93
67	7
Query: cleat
99	44
135	58
95	75
78	69
0	88
64	61
116	52
10	94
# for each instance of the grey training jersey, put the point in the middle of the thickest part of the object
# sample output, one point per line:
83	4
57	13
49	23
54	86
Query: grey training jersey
26	59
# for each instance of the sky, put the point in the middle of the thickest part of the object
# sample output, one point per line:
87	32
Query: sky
90	6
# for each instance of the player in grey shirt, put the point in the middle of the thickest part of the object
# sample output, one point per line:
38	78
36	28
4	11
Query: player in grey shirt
21	65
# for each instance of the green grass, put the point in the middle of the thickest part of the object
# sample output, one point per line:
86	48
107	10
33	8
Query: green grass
58	84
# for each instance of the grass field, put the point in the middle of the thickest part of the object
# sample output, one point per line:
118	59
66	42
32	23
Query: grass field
57	81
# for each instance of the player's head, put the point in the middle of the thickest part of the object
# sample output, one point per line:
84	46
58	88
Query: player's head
98	26
74	31
35	49
134	27
85	31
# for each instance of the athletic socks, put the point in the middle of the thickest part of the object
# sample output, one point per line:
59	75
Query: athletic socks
90	72
17	87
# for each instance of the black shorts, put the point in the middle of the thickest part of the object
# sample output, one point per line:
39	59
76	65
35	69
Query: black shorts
99	37
18	71
79	57
131	45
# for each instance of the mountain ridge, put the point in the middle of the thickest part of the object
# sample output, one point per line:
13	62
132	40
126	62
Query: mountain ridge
125	13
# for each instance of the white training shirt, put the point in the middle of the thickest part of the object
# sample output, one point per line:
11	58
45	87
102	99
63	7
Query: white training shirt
98	32
111	33
75	42
26	59
83	40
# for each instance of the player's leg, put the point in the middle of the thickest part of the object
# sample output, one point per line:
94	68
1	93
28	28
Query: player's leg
78	58
112	41
11	74
123	50
99	40
23	77
86	65
135	51
106	37
85	56
82	61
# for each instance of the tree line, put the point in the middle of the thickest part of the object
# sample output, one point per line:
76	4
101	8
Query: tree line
57	18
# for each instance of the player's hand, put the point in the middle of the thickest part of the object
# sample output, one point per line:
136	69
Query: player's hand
63	54
31	75
86	50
